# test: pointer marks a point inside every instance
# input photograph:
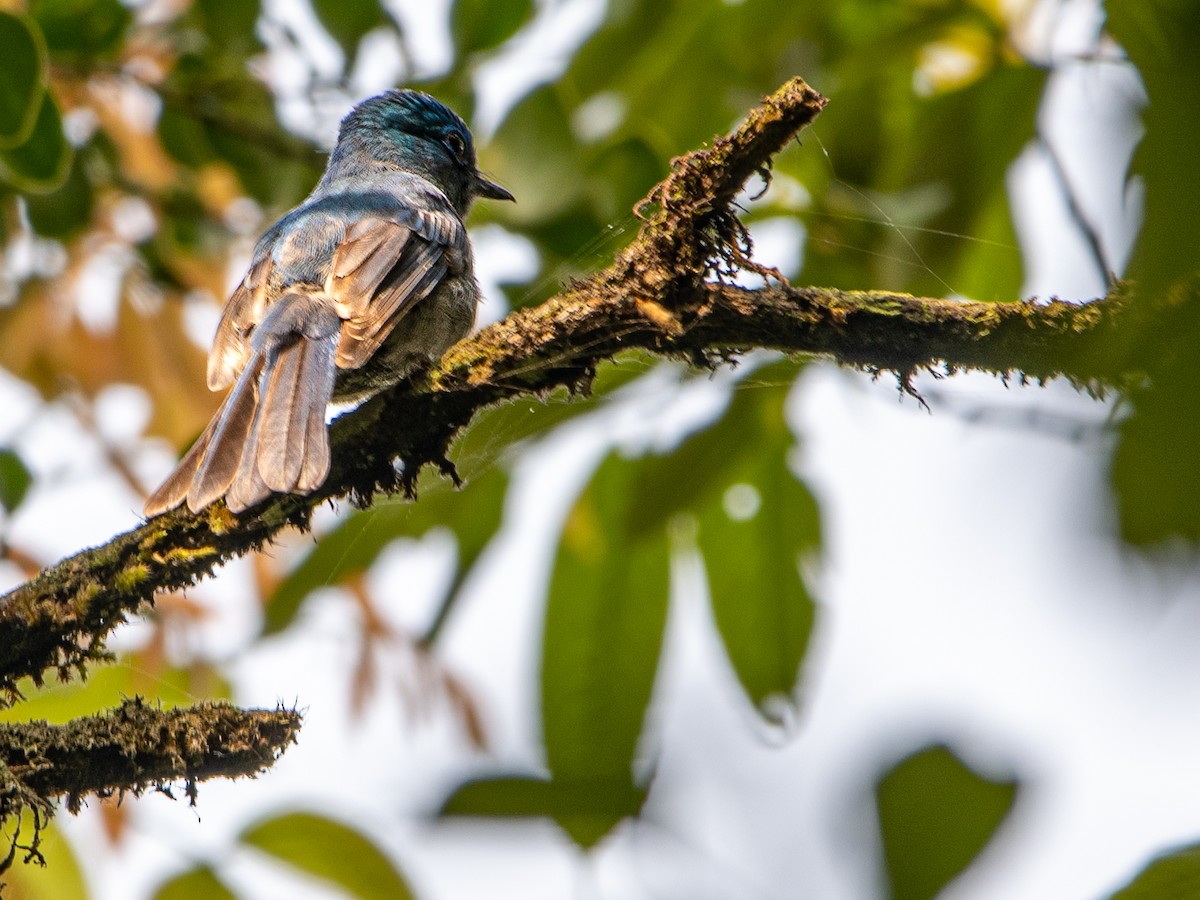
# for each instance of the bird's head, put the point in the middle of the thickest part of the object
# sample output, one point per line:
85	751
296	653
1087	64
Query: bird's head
415	132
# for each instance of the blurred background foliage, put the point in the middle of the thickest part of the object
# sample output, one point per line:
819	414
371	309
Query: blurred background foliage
144	145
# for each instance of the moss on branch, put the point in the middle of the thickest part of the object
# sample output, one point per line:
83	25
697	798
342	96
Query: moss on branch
133	748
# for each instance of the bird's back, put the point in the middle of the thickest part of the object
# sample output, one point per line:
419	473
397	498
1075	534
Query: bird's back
316	319
368	278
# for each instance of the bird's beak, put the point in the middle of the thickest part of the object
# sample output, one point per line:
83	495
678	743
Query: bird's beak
486	188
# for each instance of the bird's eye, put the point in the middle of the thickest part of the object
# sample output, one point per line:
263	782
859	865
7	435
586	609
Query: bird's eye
455	144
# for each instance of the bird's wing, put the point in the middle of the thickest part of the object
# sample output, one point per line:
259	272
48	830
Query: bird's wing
326	285
384	265
243	310
376	251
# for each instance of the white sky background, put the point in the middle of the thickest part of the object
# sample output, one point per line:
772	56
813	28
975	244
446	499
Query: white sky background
972	593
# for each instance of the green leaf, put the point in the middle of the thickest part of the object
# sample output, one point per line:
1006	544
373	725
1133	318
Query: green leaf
15	479
238	116
755	521
703	462
105	687
472	513
546	183
60	879
482	24
22	78
1154	471
935	816
82	30
42	162
199	883
67	211
619	176
684	73
592	805
1173	874
990	265
763	610
496	429
1160	37
603	634
347	21
971	160
183	136
331	851
229	25
502	797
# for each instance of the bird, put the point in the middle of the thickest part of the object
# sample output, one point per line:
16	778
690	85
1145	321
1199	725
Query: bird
369	278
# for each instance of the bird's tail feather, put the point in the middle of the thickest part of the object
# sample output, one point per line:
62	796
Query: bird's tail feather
270	433
293	450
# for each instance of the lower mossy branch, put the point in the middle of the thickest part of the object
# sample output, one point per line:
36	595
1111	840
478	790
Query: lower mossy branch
133	748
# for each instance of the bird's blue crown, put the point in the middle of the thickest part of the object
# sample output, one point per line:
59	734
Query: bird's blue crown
408	112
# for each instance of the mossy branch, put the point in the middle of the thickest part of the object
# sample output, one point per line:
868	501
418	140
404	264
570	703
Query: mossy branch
133	748
665	293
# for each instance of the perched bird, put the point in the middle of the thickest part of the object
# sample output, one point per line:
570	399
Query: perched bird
367	279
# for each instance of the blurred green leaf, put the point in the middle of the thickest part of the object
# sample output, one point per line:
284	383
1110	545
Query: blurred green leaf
472	513
22	78
595	804
605	131
1154	470
481	24
498	428
41	164
349	20
229	25
198	883
184	137
82	31
67	211
60	879
215	109
501	797
919	200
762	608
331	851
907	186
604	626
755	520
702	465
684	72
105	687
546	183
935	816
990	265
620	176
1173	874
15	479
1160	37
971	160
239	120
572	243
